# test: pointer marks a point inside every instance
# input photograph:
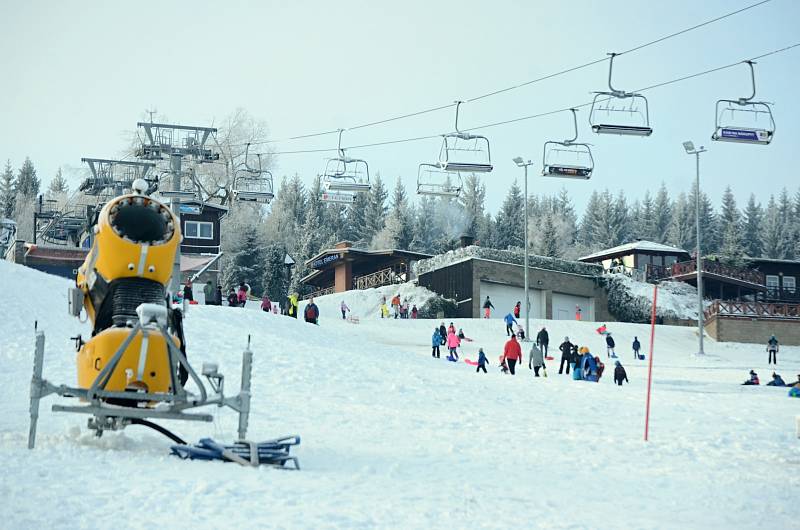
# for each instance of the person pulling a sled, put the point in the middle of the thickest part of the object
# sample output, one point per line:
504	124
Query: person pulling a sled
512	354
482	361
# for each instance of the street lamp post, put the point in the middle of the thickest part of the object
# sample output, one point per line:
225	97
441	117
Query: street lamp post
521	163
690	149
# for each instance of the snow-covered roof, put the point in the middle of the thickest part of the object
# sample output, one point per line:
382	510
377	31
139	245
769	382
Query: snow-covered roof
647	246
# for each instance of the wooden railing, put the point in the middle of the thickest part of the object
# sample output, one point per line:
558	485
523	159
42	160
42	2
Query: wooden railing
376	279
656	272
321	292
753	310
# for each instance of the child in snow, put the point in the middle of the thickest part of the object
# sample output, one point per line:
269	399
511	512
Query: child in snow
610	346
451	328
517	309
242	294
414	311
233	298
344	309
436	341
384	310
776	380
619	374
461	334
509	320
753	379
266	305
503	365
520	333
482	361
453	342
636	347
443	333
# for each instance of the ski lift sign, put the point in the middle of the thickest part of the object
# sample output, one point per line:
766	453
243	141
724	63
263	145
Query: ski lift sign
337	197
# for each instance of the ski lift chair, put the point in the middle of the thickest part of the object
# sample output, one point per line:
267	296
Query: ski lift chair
433	179
568	159
736	120
255	184
619	112
465	152
346	174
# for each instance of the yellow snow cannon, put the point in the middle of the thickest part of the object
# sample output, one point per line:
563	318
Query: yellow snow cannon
129	264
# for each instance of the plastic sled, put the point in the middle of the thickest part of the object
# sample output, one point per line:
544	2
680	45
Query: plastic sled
794	392
270	452
549	358
471	362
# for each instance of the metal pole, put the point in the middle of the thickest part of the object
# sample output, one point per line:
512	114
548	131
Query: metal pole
699	259
175	166
527	299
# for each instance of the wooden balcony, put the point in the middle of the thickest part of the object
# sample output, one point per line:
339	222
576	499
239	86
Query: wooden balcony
686	271
750	310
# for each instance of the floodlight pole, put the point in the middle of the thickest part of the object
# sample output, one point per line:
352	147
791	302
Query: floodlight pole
700	326
525	165
176	166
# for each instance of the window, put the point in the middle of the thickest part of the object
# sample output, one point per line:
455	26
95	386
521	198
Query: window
789	283
772	282
198	230
669	260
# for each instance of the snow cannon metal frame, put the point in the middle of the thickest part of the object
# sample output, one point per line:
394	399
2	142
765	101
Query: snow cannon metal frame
134	366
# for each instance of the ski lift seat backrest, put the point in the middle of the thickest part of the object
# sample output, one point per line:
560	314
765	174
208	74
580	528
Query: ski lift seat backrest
630	119
746	132
462	152
435	180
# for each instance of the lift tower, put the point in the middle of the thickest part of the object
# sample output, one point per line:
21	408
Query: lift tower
176	142
114	174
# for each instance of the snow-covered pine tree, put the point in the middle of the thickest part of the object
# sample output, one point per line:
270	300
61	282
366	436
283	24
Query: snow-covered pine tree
375	214
422	240
621	221
730	221
549	237
681	228
356	226
58	186
487	232
510	220
472	200
287	214
398	230
275	279
27	182
789	232
753	222
8	191
709	230
662	215
645	220
772	232
589	222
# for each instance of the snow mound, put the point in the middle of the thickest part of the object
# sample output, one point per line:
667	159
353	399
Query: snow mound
516	256
366	303
675	299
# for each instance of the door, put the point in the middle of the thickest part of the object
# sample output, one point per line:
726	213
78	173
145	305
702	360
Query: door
564	307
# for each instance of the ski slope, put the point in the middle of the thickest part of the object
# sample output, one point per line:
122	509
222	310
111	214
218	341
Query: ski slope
392	438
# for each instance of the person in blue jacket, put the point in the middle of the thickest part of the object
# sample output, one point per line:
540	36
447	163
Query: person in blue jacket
482	361
776	380
436	341
509	320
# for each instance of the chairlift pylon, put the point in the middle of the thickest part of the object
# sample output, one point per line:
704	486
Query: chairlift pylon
346	174
254	184
465	152
745	132
633	104
568	159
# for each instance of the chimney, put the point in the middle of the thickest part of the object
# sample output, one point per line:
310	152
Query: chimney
466	240
343	244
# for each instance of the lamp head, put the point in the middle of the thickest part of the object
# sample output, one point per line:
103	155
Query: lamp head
689	146
519	161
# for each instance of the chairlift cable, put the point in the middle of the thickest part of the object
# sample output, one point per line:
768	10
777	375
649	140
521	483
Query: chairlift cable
513	87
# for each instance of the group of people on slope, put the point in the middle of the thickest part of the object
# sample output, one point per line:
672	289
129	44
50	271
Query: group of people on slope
447	336
400	309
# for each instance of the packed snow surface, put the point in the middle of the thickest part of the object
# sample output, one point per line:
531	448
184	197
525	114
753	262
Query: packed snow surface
392	438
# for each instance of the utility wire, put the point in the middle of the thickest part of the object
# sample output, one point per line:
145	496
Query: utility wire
551	112
520	85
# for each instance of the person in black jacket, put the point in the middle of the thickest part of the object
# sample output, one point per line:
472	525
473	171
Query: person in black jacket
487	308
619	374
636	347
311	313
443	334
566	354
610	346
543	339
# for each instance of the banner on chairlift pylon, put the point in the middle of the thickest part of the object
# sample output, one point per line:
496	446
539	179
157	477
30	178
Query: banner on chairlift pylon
337	197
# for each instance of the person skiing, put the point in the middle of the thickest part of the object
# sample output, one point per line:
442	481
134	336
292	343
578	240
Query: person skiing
619	374
344	309
208	293
536	358
291	307
772	350
512	354
311	313
487	308
776	380
414	311
610	346
636	347
233	298
443	333
266	304
517	309
482	361
543	339
566	354
188	294
453	342
753	379
436	341
509	320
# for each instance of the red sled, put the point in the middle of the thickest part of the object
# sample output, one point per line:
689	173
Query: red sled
471	362
549	358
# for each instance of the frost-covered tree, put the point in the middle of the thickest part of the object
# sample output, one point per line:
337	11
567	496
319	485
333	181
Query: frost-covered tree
682	227
753	219
288	214
58	186
662	218
510	220
772	238
422	240
644	219
27	182
549	238
398	230
8	191
731	225
356	226
709	230
472	200
789	229
243	249
375	213
620	226
275	278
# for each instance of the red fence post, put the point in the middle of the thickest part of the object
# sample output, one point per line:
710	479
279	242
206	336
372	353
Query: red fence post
650	363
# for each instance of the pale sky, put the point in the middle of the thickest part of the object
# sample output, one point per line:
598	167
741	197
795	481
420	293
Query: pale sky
76	76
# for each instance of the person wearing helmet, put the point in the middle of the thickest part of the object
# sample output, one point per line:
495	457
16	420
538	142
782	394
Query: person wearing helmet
566	355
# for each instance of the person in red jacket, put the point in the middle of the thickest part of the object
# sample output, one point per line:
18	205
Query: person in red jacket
512	353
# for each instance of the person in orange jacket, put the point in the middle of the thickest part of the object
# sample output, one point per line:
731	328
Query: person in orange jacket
512	353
